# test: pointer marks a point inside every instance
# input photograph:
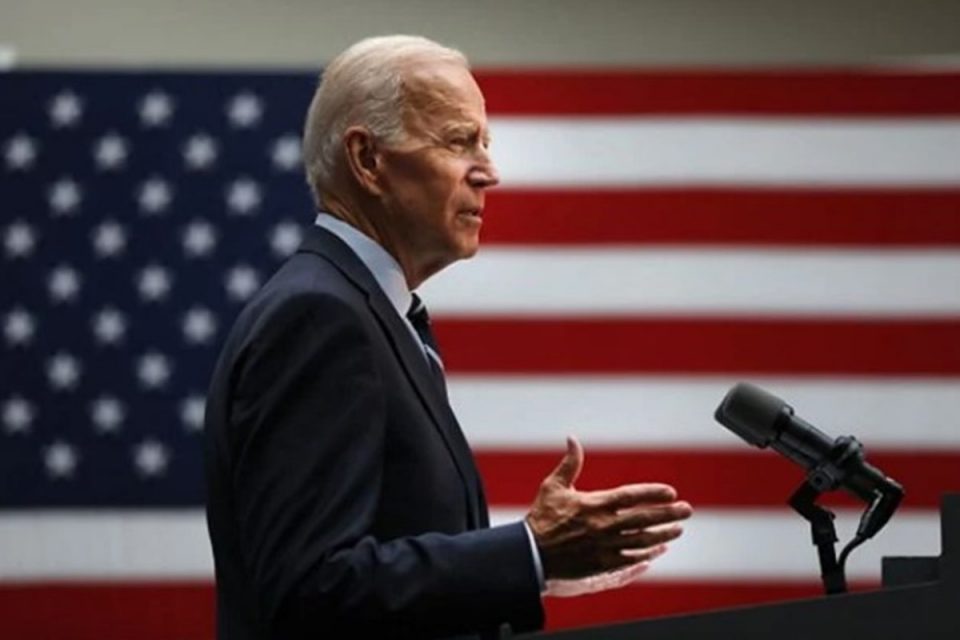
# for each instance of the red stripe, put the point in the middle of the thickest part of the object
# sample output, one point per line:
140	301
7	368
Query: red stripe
715	478
160	611
702	345
652	598
730	92
111	611
709	216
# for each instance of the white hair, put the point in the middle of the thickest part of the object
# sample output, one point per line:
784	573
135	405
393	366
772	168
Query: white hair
363	86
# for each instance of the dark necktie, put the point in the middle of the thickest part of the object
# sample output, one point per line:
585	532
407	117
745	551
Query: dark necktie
420	320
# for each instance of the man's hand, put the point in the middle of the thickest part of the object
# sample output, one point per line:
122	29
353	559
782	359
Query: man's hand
600	582
586	533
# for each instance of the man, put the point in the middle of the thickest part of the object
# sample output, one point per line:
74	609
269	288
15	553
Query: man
343	499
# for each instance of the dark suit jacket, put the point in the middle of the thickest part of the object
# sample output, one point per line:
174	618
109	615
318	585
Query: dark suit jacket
343	500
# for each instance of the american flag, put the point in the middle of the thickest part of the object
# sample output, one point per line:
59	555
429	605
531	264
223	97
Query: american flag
658	236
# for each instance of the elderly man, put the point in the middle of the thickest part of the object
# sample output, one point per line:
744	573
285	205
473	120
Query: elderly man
343	499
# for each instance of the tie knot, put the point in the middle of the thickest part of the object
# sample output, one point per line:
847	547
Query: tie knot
418	310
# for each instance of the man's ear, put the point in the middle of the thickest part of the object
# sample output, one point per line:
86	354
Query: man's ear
362	158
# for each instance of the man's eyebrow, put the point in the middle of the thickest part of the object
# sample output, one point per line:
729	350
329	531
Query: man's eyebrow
468	129
460	128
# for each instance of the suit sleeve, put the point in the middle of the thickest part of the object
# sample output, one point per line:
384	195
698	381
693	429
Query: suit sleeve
307	439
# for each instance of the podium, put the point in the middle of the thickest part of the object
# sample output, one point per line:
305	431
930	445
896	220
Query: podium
920	598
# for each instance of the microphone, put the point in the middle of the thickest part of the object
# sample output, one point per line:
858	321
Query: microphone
764	420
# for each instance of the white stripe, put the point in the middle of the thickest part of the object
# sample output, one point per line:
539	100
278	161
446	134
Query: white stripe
64	545
735	544
620	281
104	544
637	150
618	411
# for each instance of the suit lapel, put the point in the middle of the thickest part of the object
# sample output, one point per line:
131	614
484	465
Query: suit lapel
327	245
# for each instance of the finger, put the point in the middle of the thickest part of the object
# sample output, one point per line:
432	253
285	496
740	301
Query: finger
628	575
616	578
630	495
645	540
650	516
646	555
599	582
570	466
615	560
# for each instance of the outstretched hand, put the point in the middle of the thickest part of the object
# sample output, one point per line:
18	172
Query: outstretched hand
600	582
580	534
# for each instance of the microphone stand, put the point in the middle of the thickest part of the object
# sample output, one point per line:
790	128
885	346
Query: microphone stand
824	533
832	472
828	475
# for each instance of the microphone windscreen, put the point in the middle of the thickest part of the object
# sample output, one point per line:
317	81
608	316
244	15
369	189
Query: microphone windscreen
751	413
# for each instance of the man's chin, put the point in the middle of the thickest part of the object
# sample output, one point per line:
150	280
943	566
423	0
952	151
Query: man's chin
469	249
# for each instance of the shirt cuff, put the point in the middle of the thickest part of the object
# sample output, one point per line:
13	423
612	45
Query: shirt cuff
537	563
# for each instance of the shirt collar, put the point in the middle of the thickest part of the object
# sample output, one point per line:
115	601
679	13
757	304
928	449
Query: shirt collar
385	269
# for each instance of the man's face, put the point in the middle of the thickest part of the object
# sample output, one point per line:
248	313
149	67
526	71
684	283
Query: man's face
433	183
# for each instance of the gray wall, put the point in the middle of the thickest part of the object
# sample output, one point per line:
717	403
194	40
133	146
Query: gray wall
568	32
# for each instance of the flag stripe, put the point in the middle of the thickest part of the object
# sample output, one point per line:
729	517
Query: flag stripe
650	598
774	544
717	91
741	478
148	610
573	152
115	544
776	346
717	543
699	216
580	282
902	414
185	609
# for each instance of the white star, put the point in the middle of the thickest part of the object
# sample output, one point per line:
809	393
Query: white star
63	370
19	240
153	370
199	325
107	414
65	109
18	415
110	152
64	196
64	284
285	238
243	196
241	282
109	326
285	152
156	109
109	239
191	412
153	282
244	110
200	152
61	459
199	239
18	327
151	458
154	196
20	152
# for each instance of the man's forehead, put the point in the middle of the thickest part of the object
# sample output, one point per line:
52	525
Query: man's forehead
447	93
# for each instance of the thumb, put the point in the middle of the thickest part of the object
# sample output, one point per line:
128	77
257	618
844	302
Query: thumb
570	465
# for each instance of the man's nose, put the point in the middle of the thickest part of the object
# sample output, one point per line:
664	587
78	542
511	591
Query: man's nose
484	174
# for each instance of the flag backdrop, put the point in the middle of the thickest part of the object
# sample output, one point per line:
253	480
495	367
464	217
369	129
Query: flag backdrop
657	237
